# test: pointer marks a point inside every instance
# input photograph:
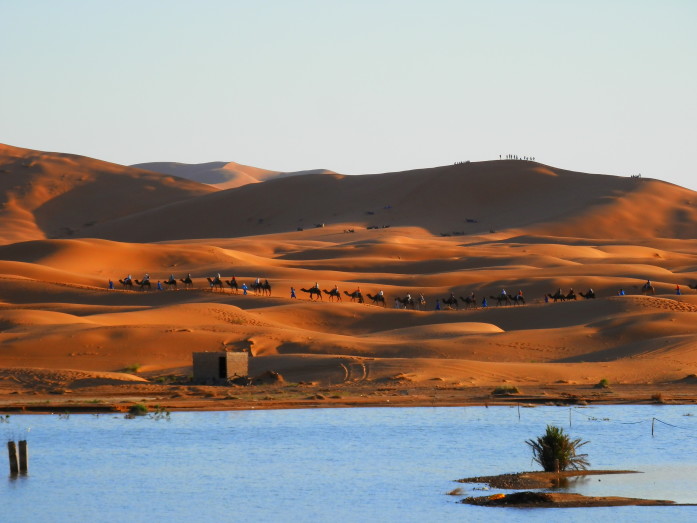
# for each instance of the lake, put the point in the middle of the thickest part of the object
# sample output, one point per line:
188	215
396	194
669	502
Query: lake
362	464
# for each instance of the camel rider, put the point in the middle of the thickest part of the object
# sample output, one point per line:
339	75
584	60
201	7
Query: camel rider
316	286
520	293
188	276
380	293
171	279
146	278
257	282
559	291
452	296
408	297
128	279
266	283
503	292
648	284
217	277
358	290
336	289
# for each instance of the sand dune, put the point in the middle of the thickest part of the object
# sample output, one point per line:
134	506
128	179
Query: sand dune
509	197
222	175
45	194
71	224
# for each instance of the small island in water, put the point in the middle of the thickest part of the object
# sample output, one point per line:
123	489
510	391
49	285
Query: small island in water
546	480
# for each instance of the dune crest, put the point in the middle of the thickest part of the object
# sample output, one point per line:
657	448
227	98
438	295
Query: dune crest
222	175
455	235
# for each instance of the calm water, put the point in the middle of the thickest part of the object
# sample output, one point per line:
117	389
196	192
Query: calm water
391	464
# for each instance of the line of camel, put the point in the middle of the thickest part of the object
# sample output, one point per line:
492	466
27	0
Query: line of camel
216	283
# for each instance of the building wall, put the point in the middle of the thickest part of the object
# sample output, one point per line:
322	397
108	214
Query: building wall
207	365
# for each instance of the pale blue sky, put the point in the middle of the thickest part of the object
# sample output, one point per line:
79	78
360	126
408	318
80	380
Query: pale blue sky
357	87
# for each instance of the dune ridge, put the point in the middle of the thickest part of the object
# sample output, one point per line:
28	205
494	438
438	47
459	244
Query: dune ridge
453	231
222	175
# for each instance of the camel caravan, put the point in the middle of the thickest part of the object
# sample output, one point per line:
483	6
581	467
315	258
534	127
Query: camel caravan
217	283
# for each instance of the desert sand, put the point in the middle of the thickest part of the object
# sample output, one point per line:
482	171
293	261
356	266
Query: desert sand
222	175
69	224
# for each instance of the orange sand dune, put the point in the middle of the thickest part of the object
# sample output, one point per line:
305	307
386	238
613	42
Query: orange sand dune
221	175
552	229
45	194
511	197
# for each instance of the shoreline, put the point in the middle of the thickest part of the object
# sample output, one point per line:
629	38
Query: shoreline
118	398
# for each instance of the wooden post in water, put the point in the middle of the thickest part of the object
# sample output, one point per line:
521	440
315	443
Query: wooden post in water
12	451
23	457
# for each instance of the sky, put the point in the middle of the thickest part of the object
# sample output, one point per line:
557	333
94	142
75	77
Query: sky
357	87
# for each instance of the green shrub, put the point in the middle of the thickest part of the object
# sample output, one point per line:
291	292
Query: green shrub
505	389
556	451
132	368
602	384
138	409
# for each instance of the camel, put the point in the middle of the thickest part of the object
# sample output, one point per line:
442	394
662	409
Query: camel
355	295
421	303
692	285
378	298
590	295
215	282
470	302
266	288
233	284
501	298
170	283
647	288
143	284
126	283
332	294
407	302
313	290
187	282
263	288
558	296
517	299
450	302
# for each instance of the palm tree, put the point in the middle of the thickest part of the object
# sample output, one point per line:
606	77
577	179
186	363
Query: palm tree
556	451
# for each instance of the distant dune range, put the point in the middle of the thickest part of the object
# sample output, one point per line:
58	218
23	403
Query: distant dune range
222	175
68	224
53	195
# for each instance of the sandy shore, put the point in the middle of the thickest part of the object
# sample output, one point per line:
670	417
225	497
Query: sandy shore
89	395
